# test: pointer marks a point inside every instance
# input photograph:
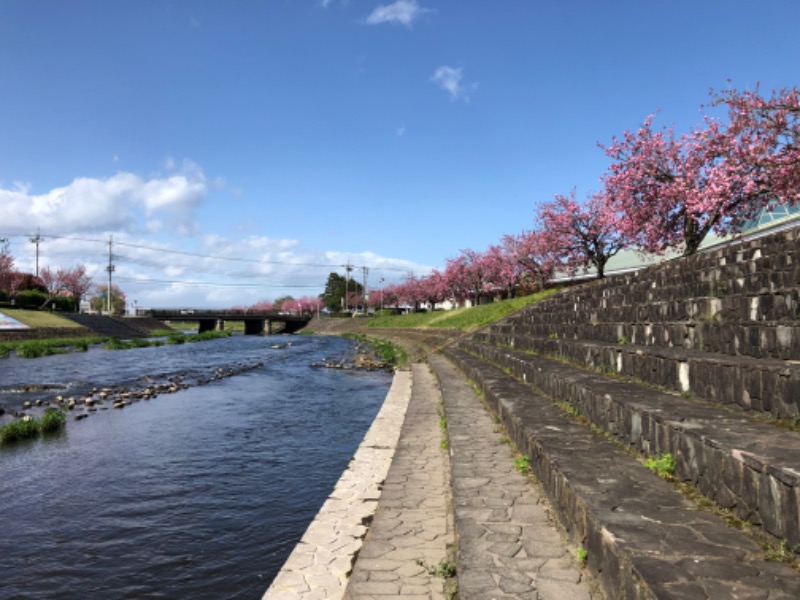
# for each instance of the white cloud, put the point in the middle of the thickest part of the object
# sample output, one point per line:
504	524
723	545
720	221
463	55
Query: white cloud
450	80
401	131
401	11
152	264
119	202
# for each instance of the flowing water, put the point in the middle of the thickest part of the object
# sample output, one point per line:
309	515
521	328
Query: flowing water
201	493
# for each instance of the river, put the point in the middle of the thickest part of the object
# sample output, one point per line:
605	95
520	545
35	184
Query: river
201	493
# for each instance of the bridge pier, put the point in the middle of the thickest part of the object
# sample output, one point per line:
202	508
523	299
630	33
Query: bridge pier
204	325
220	325
254	326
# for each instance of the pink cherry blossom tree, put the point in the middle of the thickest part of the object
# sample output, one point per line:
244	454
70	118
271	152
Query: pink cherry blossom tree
391	295
530	251
77	282
672	191
261	305
305	305
583	235
433	288
6	268
71	283
503	272
467	275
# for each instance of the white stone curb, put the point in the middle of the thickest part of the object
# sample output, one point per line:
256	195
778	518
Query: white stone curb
321	563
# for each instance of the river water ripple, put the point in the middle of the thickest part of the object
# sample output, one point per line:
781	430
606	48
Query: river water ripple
198	494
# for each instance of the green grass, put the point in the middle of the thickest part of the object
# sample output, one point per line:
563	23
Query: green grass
52	420
230	326
663	465
466	319
583	556
523	464
161	332
40	318
384	349
37	348
173	338
28	427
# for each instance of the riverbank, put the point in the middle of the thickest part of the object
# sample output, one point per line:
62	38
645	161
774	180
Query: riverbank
452	484
320	564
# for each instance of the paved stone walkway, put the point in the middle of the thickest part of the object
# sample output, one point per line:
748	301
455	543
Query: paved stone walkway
319	566
508	545
409	536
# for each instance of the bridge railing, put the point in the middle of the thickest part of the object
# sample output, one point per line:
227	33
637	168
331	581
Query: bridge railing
204	313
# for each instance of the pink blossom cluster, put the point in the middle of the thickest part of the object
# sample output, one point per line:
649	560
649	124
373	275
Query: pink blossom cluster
662	192
299	306
670	191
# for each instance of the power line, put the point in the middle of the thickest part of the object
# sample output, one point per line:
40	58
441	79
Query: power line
208	256
212	284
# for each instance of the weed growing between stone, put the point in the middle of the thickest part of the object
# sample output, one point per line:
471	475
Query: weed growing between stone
583	556
445	569
523	464
662	465
781	553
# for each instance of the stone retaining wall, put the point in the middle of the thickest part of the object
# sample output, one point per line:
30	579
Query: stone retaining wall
741	299
41	333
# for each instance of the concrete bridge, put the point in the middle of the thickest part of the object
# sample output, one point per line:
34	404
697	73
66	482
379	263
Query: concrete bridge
256	322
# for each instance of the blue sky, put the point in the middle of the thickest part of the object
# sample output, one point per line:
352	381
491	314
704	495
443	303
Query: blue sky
242	150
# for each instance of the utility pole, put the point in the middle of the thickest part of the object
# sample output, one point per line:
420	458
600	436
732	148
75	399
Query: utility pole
365	292
36	239
348	267
110	269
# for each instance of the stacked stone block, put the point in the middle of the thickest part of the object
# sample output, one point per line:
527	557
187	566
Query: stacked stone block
708	350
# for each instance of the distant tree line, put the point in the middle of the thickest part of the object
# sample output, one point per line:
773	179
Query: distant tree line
663	192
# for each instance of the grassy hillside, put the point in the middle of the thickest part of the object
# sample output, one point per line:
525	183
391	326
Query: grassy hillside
466	319
35	318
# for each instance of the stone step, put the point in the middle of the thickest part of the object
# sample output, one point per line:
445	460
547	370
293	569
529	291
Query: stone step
643	538
750	467
508	545
571	306
778	340
105	325
768	386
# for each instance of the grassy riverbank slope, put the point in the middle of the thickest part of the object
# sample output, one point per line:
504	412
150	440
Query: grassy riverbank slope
40	319
424	332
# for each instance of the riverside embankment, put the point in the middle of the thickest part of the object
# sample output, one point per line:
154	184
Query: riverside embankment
431	505
657	411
